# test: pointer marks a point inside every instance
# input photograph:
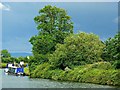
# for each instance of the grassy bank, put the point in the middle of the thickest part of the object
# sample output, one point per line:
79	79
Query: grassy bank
26	70
3	65
99	73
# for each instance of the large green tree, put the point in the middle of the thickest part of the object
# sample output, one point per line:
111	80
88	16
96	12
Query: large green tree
53	25
53	19
78	49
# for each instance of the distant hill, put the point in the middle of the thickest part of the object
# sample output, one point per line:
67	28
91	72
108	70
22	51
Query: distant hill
18	54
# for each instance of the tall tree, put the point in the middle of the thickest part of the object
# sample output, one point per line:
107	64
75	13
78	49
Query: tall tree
52	19
53	25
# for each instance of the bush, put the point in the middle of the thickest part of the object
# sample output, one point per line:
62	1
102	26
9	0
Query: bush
102	65
100	73
26	70
90	74
116	64
112	49
78	49
3	65
41	71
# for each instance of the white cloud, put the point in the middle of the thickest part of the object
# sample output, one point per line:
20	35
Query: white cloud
117	20
4	7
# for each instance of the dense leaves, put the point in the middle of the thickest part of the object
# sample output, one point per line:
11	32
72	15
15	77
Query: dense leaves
100	73
112	50
7	58
59	54
53	25
5	53
78	49
52	19
43	44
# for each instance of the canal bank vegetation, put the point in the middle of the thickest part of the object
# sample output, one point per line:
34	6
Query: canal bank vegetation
3	65
59	54
99	73
70	62
26	71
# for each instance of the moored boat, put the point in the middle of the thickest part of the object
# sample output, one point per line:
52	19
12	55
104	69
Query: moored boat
10	69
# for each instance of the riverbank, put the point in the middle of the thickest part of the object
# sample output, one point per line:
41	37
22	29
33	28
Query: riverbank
3	65
98	73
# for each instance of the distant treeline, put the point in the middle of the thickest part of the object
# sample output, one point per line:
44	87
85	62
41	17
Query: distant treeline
7	58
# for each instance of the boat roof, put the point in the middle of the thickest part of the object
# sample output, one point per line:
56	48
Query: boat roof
13	66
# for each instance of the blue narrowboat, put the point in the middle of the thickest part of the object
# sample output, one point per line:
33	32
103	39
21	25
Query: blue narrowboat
14	70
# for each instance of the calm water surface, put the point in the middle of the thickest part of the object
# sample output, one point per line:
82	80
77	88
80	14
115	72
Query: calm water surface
9	81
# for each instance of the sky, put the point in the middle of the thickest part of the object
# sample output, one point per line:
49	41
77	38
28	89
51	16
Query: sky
18	25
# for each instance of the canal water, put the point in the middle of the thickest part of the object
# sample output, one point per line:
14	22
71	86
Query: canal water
10	81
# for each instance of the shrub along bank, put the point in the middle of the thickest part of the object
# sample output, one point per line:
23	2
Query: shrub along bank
26	71
99	73
3	65
60	54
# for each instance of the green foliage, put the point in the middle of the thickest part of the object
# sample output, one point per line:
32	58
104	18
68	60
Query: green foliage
8	59
43	44
24	59
59	54
78	49
102	65
90	73
52	19
53	25
32	64
5	54
26	70
112	49
36	60
41	71
14	59
116	64
3	65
